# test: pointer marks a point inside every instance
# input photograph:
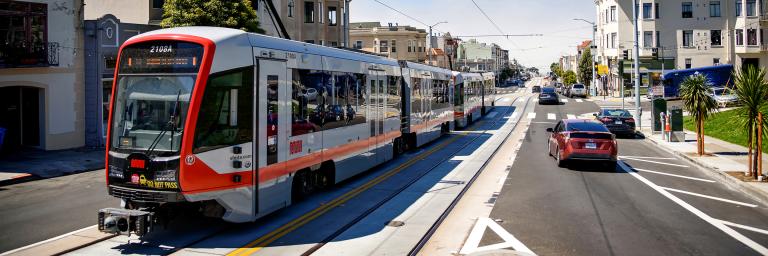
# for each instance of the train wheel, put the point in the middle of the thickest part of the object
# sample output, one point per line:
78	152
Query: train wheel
302	185
399	146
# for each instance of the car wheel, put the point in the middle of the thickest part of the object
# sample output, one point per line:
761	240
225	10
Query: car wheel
560	161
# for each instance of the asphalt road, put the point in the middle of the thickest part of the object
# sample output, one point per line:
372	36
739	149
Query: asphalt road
39	210
585	210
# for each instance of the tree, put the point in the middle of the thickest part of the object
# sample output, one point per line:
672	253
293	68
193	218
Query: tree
555	68
217	13
585	67
569	77
751	89
505	74
694	92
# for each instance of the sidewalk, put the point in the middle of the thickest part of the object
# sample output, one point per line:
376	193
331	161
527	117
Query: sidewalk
30	164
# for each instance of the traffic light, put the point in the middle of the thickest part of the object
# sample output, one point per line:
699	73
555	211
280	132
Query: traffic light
626	54
655	53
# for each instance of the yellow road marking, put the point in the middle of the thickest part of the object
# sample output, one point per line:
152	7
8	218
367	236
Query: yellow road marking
270	237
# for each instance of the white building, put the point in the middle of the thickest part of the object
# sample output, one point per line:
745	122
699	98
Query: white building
41	74
686	34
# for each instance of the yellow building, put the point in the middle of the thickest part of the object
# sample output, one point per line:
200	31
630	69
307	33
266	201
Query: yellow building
394	41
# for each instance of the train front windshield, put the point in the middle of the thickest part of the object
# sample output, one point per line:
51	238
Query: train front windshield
153	88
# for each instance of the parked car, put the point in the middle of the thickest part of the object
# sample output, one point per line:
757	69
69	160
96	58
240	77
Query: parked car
536	89
566	91
723	96
582	139
618	121
548	96
577	90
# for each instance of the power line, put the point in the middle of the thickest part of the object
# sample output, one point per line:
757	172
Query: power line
406	15
502	35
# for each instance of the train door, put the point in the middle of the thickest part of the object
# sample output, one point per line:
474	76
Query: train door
272	134
375	113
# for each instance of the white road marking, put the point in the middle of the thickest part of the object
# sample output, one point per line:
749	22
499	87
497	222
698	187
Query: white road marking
551	116
674	175
579	100
571	116
710	197
715	222
650	157
472	242
655	162
531	115
564	100
536	99
753	229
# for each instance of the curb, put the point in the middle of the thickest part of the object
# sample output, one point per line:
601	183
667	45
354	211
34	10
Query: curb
21	178
730	181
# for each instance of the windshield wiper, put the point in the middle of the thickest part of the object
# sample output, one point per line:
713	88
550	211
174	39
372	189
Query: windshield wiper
171	125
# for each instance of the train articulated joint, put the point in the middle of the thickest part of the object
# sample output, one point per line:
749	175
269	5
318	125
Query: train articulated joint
125	221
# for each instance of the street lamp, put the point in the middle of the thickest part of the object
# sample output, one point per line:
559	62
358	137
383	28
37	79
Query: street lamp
594	73
429	51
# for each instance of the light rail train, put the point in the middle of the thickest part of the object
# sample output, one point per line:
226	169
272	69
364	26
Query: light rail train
239	125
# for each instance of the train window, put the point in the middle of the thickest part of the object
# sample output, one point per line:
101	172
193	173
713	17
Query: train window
216	127
393	99
273	115
308	101
361	93
416	96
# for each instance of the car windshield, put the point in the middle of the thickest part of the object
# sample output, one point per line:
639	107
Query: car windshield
719	91
587	126
578	86
548	89
616	112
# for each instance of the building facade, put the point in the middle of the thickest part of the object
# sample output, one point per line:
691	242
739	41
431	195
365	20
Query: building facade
322	22
393	41
437	57
684	34
450	46
41	74
476	56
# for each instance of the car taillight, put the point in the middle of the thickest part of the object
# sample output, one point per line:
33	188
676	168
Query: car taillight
605	119
629	120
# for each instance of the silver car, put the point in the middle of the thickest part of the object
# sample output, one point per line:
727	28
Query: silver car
578	90
723	96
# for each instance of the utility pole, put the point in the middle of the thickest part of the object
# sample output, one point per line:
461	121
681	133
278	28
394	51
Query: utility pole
593	85
636	61
429	40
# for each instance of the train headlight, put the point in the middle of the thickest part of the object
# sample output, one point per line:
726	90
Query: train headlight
115	172
167	175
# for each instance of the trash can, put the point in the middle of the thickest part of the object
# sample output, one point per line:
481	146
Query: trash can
2	137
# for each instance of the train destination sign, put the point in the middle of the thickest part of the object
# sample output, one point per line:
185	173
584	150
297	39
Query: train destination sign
161	57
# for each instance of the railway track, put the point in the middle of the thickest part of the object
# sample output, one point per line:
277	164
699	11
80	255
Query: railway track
265	241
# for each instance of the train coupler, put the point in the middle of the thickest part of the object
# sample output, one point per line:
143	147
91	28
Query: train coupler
124	221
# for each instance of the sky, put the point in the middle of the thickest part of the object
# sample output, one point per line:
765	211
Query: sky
551	18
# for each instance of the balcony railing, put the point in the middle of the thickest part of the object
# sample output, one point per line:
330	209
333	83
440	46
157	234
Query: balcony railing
22	54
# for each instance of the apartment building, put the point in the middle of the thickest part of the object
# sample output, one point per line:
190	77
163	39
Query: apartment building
394	41
450	46
684	34
323	22
476	56
437	57
41	74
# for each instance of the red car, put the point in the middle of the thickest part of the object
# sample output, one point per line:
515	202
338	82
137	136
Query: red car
582	139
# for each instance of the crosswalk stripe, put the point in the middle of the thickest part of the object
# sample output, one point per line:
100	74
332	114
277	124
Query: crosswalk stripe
579	100
531	115
571	116
551	116
564	100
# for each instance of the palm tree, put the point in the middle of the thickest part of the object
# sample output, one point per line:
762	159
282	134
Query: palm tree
752	89
699	103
